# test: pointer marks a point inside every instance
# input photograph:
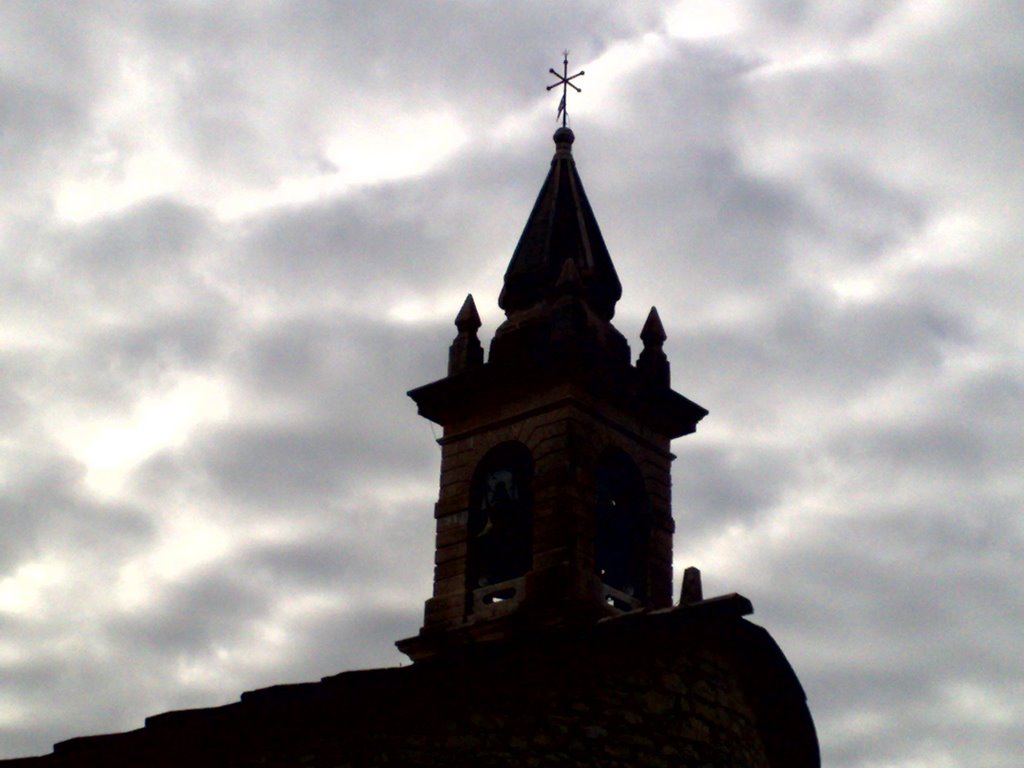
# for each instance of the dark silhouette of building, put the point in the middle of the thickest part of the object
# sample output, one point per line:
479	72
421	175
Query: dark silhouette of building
551	637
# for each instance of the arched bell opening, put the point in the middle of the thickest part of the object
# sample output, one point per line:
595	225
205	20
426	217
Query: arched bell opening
500	544
622	533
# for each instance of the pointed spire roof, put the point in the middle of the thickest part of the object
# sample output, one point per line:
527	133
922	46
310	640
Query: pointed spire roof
468	318
653	333
561	226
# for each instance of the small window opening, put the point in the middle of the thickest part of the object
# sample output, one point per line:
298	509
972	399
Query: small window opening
500	596
500	520
618	603
622	528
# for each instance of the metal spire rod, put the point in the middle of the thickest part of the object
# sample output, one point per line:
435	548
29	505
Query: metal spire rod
564	80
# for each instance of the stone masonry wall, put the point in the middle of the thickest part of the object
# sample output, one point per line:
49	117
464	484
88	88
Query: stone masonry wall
688	688
565	440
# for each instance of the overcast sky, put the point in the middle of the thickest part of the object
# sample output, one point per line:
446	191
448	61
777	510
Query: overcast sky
233	234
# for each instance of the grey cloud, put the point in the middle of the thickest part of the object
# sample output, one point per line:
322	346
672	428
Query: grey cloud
859	216
124	266
905	643
327	375
283	77
720	486
342	249
224	603
31	120
331	351
152	242
730	195
43	508
49	76
966	440
144	348
209	608
345	641
277	467
306	563
833	22
808	351
689	238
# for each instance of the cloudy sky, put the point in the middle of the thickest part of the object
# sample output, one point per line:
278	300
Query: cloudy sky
233	234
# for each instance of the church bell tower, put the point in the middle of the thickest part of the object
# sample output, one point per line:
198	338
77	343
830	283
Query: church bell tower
555	495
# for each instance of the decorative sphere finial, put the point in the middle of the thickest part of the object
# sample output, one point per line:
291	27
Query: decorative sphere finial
564	136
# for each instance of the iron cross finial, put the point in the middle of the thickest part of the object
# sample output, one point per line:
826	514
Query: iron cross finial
564	80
